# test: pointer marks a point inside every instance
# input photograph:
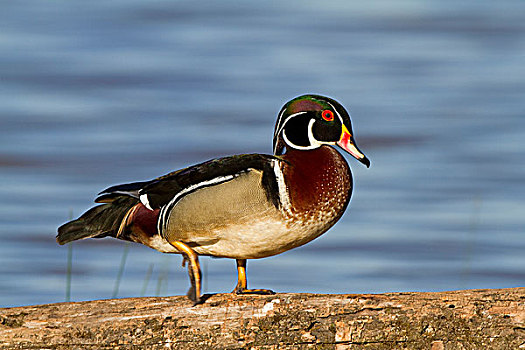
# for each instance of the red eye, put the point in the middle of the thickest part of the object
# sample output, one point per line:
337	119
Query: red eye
328	115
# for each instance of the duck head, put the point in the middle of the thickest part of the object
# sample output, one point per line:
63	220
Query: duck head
309	121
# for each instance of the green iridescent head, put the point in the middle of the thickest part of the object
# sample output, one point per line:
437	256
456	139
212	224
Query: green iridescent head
309	121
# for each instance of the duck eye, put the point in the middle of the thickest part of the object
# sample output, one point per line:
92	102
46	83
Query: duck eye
328	115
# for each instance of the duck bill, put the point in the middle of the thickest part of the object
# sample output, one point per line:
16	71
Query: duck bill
347	143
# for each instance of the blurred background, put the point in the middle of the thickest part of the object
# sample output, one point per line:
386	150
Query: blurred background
97	93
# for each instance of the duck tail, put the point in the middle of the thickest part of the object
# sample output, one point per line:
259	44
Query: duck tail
101	221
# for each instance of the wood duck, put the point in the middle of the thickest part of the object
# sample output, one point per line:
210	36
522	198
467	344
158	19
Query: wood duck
241	207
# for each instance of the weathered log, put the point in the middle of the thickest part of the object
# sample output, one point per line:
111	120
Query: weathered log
471	319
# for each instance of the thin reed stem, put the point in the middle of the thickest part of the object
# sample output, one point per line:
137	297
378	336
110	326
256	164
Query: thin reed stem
69	270
120	270
69	264
146	280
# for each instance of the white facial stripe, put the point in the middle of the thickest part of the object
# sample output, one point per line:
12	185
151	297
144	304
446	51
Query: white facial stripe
311	138
164	212
298	147
336	112
314	143
284	123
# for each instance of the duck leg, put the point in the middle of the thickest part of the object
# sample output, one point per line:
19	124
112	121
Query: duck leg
242	283
194	271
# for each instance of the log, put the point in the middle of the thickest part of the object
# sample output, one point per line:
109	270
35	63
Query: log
470	319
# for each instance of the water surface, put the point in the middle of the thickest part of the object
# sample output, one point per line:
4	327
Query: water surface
99	93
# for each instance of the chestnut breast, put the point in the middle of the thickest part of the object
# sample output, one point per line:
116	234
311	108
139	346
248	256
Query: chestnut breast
319	183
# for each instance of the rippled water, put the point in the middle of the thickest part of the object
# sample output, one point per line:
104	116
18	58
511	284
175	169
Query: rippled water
100	93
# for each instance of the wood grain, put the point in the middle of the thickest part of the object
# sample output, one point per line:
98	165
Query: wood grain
470	319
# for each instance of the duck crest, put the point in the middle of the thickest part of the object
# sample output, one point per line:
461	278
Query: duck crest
319	184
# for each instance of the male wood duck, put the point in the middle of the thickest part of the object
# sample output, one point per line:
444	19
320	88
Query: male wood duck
241	207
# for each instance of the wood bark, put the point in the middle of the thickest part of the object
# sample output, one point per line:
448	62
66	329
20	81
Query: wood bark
471	319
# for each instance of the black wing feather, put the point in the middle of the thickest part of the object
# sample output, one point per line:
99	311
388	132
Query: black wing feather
161	191
113	192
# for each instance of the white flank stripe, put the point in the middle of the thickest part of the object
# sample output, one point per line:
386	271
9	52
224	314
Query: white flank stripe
283	190
163	220
144	199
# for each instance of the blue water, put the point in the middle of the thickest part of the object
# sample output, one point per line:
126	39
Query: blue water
99	93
